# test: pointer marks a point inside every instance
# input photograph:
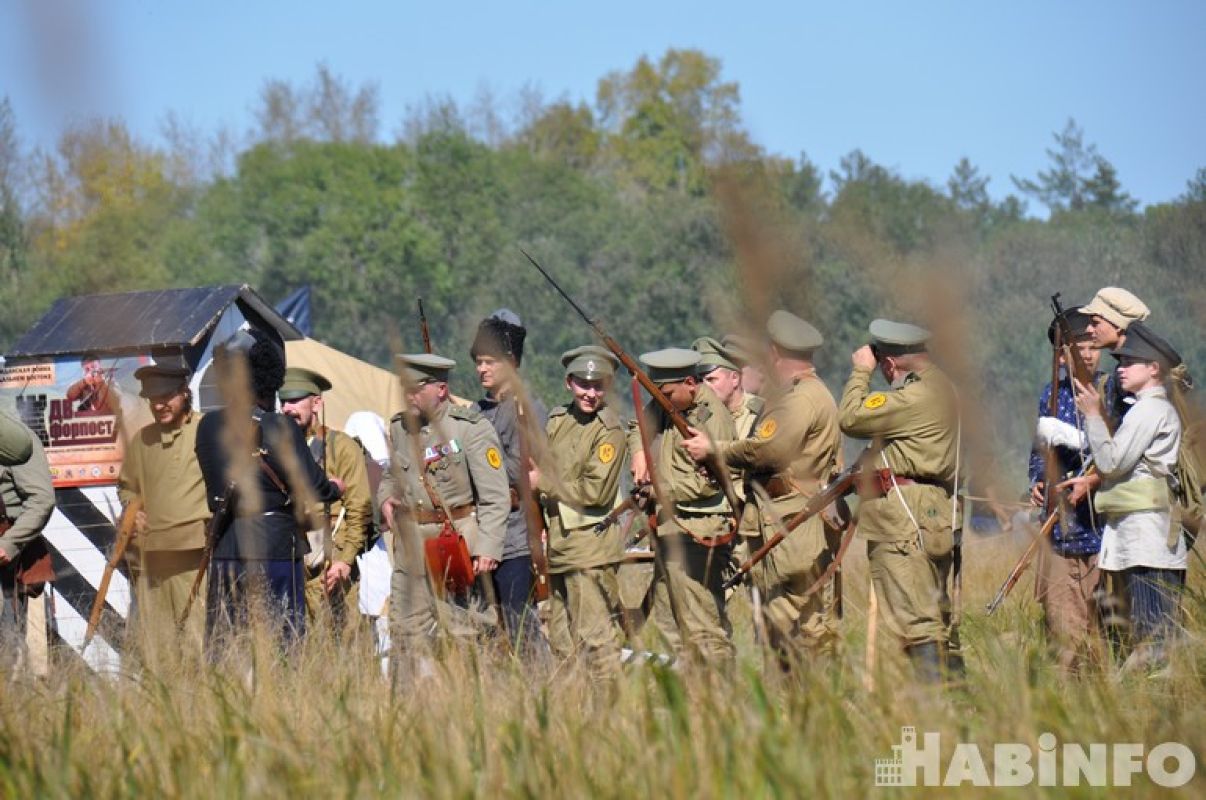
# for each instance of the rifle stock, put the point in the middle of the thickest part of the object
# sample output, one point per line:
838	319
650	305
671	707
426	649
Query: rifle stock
531	510
124	533
715	469
839	487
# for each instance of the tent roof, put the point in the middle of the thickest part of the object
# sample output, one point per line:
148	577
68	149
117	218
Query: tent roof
355	385
140	320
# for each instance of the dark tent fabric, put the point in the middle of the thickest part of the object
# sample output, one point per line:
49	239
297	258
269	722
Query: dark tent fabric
137	321
296	309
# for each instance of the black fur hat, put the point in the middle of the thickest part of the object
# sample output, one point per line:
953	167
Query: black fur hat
500	335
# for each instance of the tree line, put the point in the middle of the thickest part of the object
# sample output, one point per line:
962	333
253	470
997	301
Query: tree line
652	205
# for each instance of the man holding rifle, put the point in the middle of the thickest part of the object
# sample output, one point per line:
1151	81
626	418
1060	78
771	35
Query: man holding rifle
695	519
793	450
1068	580
578	489
908	511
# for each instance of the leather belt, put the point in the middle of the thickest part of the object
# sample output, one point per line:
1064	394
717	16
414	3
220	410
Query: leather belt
879	483
437	517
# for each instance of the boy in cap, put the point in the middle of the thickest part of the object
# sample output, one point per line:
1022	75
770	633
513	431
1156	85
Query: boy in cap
160	467
696	522
1068	581
497	352
1141	546
1111	312
579	487
257	460
329	562
446	466
908	510
793	451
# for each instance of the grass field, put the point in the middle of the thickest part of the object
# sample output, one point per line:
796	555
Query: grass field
327	724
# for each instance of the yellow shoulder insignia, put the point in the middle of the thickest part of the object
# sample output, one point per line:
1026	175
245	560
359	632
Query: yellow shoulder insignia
607	452
767	429
875	401
493	458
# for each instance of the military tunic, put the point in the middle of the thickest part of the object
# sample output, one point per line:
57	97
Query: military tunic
160	467
459	453
910	529
588	453
29	502
697	510
795	449
345	460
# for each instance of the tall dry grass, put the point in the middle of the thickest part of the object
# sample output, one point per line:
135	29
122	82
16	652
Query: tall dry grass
323	722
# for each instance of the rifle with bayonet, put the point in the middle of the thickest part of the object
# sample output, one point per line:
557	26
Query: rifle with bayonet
423	329
712	465
531	507
831	492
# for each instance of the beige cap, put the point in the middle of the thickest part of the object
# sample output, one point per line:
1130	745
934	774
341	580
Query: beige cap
421	367
712	354
671	365
792	333
1117	306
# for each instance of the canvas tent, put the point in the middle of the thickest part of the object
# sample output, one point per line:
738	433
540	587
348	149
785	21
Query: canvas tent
356	385
43	381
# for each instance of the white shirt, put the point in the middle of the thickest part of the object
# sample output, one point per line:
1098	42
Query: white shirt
1144	446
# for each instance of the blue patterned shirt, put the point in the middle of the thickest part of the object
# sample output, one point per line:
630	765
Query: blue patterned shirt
1083	536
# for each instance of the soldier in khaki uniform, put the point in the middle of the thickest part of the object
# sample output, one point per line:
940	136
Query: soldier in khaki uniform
329	562
696	528
908	511
28	499
588	449
446	464
160	468
745	353
794	451
719	370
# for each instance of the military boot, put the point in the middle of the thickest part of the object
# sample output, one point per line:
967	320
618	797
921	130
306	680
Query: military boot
927	661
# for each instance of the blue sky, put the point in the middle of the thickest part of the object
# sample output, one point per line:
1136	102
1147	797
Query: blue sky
916	85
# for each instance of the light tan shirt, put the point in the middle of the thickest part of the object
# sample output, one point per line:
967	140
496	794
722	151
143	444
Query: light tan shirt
161	467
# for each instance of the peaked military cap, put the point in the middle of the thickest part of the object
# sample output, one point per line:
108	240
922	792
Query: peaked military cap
1078	323
589	362
163	377
301	382
423	367
1144	344
898	338
671	365
790	332
712	354
742	350
1117	306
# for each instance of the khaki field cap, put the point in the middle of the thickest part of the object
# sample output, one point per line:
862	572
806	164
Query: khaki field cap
790	332
897	338
164	377
671	365
589	362
713	354
742	350
419	368
301	382
1117	306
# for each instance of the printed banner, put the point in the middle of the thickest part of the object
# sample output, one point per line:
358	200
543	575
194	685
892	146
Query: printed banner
82	409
